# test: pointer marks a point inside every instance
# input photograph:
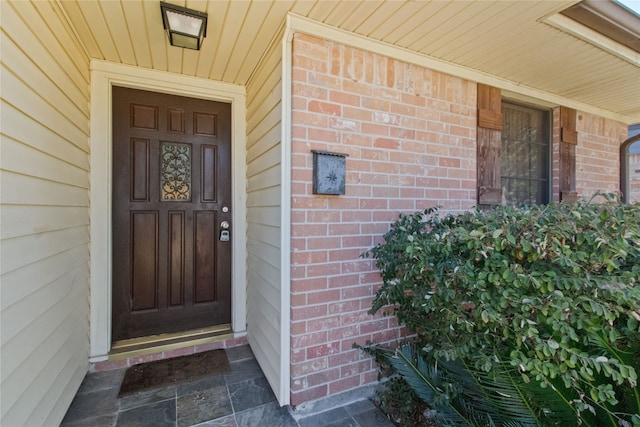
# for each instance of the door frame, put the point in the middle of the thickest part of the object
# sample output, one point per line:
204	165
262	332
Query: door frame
104	75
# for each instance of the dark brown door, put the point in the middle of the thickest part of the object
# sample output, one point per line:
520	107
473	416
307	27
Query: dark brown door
171	196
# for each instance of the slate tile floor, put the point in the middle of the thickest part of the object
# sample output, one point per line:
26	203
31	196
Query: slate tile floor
240	398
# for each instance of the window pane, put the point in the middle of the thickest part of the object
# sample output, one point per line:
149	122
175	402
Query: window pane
175	172
525	154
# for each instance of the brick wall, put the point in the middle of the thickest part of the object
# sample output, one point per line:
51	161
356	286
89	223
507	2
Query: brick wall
410	135
598	154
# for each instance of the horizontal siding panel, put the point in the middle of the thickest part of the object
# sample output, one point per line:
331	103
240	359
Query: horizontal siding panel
44	232
17	125
21	283
264	179
271	121
265	252
36	353
24	355
267	158
265	197
25	250
24	160
269	215
269	142
26	190
44	53
263	233
22	97
263	346
264	113
23	220
267	99
17	317
71	374
68	43
66	99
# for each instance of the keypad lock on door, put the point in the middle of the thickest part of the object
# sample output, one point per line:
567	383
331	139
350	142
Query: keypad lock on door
224	232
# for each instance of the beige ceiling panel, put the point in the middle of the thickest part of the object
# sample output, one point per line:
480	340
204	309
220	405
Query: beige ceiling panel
385	16
92	13
449	21
487	32
274	19
397	20
346	9
236	15
80	25
506	39
156	37
362	14
119	30
322	9
137	25
217	12
251	28
460	30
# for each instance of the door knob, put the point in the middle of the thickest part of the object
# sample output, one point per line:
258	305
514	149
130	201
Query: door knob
224	225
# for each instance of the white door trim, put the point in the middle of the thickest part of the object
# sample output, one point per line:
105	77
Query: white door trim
103	76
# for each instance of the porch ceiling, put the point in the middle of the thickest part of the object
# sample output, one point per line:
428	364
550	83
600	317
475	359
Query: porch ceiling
508	39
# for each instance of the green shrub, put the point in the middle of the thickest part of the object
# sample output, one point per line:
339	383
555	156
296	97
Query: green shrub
553	290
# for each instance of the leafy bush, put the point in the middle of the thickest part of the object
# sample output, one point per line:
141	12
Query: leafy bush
551	290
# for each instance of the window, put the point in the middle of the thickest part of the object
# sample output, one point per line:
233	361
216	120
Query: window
630	166
524	154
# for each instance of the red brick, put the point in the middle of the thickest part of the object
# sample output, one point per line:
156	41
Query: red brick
210	346
315	338
344	280
298	328
375	129
314	243
323	296
308	312
344	306
308	395
324	108
109	365
344	384
313	257
345	357
323	270
307	284
385	143
355	368
298	300
344	98
323	350
146	358
310	366
344	332
185	351
323	377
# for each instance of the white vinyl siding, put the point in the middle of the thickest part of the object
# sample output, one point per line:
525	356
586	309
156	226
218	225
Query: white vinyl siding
44	205
264	95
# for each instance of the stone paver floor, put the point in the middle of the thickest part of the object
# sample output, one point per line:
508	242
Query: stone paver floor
240	398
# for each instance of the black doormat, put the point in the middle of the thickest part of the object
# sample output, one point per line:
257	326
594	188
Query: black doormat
169	371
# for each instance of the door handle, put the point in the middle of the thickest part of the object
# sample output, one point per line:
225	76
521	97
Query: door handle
224	231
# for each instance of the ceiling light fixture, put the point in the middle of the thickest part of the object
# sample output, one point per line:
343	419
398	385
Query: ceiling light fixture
185	27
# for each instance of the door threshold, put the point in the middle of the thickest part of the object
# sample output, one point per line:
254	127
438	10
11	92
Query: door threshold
164	342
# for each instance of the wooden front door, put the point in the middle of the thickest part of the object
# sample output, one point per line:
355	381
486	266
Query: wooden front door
171	198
